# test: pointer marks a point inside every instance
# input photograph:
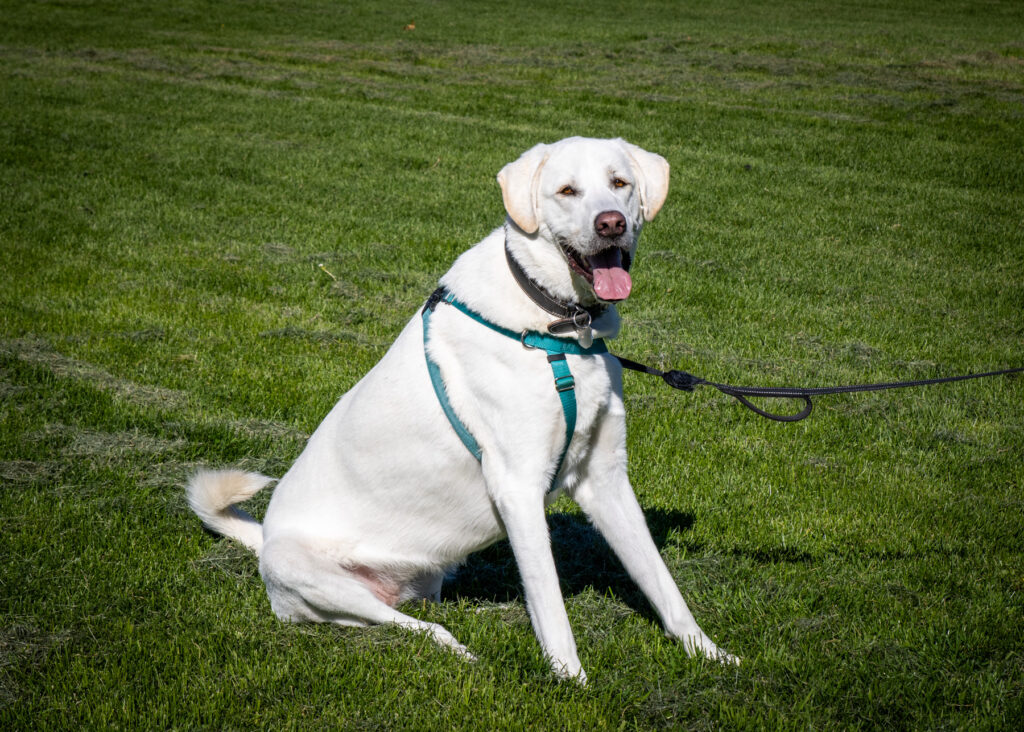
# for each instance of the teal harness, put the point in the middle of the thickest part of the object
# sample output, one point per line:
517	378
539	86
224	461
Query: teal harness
556	349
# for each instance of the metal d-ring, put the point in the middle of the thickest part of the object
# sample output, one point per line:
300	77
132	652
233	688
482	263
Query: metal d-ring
522	339
587	319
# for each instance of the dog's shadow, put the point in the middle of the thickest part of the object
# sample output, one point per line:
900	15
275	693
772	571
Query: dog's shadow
582	556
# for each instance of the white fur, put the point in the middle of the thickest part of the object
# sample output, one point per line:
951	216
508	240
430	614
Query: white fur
211	495
385	497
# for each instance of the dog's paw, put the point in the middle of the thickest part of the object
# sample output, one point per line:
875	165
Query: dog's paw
443	638
569	672
727	658
701	645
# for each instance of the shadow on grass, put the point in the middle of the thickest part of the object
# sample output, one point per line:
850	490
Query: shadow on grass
582	556
585	561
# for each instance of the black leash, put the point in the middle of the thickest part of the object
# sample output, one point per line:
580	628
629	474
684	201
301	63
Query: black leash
688	382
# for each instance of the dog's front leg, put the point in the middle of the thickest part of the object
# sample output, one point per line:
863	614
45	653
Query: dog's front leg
520	503
607	498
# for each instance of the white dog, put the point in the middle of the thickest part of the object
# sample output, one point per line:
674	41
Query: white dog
464	430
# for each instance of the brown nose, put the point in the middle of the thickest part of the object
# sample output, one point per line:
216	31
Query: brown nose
609	224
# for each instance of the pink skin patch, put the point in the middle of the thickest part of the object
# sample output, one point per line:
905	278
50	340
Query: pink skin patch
386	590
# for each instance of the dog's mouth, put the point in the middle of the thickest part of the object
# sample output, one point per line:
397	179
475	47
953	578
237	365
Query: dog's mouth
607	271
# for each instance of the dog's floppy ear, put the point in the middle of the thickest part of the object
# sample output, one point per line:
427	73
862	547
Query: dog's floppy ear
652	178
519	181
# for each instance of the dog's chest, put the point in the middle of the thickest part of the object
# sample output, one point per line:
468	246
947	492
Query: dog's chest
593	390
512	398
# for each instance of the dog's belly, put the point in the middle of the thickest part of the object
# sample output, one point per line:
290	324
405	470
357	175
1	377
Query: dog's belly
384	481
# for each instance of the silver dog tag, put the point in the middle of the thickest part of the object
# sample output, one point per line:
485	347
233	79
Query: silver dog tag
586	337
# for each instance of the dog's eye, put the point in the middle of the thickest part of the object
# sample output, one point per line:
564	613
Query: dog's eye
619	183
567	191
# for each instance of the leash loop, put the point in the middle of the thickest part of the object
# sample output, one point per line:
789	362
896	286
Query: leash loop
742	399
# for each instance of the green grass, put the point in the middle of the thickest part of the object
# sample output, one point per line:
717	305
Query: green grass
846	206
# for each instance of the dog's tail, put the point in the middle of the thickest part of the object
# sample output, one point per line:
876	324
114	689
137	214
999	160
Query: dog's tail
211	494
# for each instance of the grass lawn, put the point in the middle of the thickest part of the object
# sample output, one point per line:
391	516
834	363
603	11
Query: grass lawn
215	217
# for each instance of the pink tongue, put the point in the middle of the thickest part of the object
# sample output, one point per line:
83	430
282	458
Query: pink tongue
611	281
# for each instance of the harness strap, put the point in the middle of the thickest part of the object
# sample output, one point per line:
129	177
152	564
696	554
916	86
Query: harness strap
529	338
442	394
556	349
565	385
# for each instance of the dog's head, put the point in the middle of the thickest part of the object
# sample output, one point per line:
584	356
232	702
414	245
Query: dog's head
590	198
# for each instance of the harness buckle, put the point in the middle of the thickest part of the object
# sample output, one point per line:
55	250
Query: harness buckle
565	383
435	297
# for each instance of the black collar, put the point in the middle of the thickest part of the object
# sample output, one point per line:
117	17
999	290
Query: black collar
571	316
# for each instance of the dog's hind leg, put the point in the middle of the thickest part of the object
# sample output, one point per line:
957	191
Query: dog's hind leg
304	585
